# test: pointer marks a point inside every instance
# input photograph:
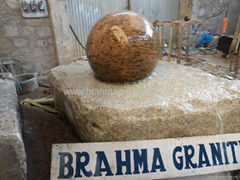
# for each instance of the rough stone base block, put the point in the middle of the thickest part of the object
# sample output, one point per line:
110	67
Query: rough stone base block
12	152
175	101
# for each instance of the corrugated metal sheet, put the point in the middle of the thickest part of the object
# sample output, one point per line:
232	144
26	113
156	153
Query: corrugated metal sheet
83	14
156	9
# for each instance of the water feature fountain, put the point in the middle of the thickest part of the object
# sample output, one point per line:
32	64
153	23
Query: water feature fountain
127	95
122	47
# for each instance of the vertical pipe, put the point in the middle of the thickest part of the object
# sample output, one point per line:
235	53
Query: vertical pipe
128	5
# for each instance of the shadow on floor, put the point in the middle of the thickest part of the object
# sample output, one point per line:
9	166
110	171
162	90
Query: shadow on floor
40	130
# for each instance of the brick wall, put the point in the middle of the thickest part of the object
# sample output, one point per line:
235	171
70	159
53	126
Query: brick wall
29	42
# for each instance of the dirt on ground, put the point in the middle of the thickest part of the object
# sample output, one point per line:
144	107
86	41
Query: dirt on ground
40	130
210	62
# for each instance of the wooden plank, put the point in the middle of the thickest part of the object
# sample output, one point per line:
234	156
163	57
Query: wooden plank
237	45
235	39
170	42
188	42
179	43
239	54
168	23
234	65
161	39
187	22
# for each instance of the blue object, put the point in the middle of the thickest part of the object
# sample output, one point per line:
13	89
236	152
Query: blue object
205	38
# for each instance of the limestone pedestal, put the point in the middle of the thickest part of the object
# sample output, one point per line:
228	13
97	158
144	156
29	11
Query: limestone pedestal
175	101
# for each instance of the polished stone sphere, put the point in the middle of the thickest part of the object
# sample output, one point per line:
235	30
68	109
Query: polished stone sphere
122	47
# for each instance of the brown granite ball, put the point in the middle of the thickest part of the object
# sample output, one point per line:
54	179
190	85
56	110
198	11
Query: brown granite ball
122	46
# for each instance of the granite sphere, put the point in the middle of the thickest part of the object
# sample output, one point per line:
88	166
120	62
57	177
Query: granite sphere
122	47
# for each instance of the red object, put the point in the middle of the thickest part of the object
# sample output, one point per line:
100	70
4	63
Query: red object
225	24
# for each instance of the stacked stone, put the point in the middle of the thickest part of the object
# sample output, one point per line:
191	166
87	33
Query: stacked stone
28	41
13	157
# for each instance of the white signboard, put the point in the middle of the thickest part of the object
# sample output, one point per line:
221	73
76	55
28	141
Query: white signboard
151	159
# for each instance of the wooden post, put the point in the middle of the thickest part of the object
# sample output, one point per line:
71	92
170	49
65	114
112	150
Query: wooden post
179	24
232	51
161	39
188	41
238	44
179	43
170	42
235	39
1	69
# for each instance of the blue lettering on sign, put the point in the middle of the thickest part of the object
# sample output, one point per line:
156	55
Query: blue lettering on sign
203	157
225	153
102	159
157	161
67	165
177	163
183	157
140	160
216	154
81	165
232	144
121	163
189	153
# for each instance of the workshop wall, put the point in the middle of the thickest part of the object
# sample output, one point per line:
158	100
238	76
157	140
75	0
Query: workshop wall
82	15
203	9
29	42
63	36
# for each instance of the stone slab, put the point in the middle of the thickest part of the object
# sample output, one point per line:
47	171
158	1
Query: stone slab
175	101
13	158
